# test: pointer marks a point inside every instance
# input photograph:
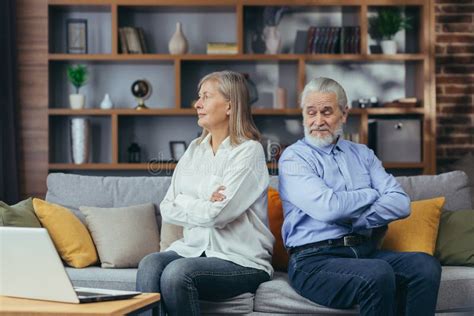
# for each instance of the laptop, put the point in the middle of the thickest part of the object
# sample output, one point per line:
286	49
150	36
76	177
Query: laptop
30	267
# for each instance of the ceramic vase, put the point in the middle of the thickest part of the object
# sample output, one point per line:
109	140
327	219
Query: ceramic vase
106	102
272	39
178	43
80	140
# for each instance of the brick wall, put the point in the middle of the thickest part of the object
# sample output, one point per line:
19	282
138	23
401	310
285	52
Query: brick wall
454	26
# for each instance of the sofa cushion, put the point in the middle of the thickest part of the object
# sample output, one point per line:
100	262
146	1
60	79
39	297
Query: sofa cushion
21	214
124	279
123	235
418	231
70	237
276	296
457	289
275	221
169	234
454	186
73	191
455	244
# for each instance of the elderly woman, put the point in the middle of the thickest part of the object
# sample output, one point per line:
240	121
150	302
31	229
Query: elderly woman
218	193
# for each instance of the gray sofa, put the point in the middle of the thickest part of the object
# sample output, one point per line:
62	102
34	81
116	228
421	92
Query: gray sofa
275	297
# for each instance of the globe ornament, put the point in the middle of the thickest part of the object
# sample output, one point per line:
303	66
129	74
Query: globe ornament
141	90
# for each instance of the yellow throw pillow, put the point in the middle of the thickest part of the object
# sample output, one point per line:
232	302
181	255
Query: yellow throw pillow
417	232
70	237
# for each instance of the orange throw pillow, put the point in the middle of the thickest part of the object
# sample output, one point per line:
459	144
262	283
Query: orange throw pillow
275	218
419	231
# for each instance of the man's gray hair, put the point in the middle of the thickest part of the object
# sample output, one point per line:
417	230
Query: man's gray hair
326	85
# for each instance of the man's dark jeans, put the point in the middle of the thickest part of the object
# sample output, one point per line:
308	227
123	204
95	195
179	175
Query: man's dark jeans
380	282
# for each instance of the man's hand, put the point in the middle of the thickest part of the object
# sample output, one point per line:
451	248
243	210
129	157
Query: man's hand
216	196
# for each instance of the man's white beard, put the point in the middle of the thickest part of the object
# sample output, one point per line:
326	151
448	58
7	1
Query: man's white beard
322	141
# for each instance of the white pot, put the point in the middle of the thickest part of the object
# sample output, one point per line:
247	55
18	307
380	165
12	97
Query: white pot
77	101
389	47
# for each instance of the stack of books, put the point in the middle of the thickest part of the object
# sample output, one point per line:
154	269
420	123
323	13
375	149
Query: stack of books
132	40
221	48
333	40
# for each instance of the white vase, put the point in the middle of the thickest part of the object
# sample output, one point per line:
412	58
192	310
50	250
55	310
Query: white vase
279	98
272	39
80	140
106	102
178	43
77	101
389	47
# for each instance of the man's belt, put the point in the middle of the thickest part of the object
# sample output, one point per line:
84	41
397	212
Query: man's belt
348	241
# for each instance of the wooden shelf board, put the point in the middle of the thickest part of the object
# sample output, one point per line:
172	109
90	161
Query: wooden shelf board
386	111
192	112
236	57
124	112
234	2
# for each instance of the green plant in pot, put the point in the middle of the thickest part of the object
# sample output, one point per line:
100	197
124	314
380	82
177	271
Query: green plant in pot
386	25
77	76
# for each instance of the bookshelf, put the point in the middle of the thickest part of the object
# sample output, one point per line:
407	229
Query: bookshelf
409	73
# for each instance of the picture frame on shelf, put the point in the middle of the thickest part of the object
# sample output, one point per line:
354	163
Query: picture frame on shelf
177	149
76	36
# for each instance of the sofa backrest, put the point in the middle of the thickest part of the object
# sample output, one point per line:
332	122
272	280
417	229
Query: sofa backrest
73	191
454	186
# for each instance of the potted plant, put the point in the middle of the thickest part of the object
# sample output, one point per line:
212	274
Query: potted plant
77	75
271	18
386	25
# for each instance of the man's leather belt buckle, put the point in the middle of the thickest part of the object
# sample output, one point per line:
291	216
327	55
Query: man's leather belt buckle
352	240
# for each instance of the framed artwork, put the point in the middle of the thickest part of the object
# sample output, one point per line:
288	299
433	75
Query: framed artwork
177	150
76	36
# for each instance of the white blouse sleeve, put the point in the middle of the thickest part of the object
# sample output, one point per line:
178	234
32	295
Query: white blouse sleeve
245	180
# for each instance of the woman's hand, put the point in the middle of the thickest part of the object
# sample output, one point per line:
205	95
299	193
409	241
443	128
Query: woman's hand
216	196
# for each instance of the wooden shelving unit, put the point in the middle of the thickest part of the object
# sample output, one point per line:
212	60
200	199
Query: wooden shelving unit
178	65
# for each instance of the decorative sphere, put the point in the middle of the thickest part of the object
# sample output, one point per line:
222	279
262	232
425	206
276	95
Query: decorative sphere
140	88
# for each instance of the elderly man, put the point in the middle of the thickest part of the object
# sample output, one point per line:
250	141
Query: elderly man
337	200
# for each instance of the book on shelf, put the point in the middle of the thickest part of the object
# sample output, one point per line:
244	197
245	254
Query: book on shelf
332	40
221	48
300	42
132	40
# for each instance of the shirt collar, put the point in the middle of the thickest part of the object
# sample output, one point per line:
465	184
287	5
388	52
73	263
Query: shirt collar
339	145
225	143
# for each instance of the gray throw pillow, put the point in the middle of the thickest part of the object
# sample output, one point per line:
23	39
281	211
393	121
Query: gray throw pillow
169	234
123	235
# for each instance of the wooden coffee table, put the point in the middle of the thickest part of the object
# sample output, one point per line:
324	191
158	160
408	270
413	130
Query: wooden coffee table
23	306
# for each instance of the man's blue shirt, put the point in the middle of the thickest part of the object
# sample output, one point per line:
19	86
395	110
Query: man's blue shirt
328	192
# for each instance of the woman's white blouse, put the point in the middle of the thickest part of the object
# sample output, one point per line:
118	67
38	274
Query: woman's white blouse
235	229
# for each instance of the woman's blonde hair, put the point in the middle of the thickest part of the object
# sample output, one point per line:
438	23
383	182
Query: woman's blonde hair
234	89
